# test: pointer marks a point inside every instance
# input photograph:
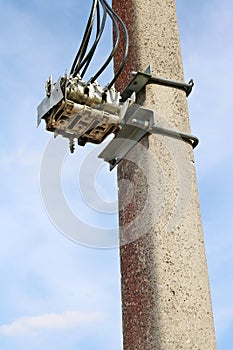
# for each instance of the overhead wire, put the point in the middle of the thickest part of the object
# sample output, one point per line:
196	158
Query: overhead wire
115	46
86	38
84	58
126	49
88	57
100	29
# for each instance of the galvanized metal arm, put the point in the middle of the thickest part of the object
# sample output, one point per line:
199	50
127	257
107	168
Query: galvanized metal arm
141	79
193	140
138	122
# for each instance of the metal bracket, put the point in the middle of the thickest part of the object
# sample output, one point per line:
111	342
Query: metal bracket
138	122
141	79
135	125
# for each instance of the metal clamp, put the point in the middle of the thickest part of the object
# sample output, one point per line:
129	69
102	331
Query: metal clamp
137	123
141	79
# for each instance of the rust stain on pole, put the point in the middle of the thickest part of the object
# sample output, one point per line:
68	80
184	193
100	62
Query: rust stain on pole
166	301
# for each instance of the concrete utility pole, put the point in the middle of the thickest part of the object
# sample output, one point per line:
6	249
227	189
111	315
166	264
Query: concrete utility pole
165	289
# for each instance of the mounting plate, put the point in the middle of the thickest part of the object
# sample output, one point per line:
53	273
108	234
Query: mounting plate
136	124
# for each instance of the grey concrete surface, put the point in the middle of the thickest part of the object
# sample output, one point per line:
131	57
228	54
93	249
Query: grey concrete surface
166	302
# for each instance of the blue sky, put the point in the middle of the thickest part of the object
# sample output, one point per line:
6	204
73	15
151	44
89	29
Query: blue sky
56	294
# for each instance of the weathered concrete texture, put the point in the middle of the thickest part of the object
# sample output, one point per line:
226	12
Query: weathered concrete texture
165	290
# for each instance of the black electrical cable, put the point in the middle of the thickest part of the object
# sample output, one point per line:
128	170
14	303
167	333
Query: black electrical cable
89	56
84	58
117	74
116	42
86	38
98	18
99	31
79	65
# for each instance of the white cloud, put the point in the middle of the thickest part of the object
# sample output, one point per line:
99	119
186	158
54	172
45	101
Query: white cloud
32	326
